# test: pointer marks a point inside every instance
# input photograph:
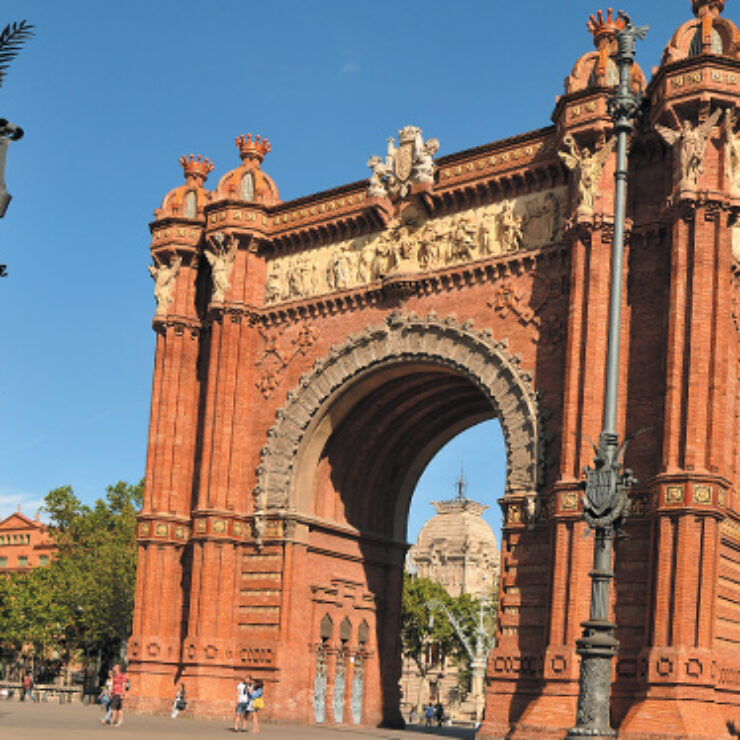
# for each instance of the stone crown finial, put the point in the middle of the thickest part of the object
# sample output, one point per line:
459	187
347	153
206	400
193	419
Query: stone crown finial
196	168
604	29
704	7
253	148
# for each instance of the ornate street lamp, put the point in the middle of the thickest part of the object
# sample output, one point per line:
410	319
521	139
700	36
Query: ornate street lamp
11	40
606	503
478	654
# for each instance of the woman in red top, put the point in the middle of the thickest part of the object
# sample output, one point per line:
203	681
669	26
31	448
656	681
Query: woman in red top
120	686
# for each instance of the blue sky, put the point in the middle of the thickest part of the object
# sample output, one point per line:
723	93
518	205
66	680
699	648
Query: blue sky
111	94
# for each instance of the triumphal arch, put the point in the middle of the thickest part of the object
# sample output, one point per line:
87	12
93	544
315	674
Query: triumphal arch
313	355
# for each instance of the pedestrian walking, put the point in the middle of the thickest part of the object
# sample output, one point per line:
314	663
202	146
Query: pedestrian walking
242	702
119	686
27	688
439	714
428	714
106	698
180	702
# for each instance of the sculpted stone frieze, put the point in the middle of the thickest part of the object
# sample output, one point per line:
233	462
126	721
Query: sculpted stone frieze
410	246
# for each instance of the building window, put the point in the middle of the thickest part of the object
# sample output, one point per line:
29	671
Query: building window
3	562
44	560
191	205
248	187
22	561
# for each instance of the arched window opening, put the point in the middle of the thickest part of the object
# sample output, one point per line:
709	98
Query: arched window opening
191	204
248	187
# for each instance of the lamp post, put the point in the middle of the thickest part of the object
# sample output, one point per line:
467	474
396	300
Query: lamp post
12	38
478	655
606	503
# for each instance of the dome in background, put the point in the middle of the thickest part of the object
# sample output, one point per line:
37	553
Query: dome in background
457	548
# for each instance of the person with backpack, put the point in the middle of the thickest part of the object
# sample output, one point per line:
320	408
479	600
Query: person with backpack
256	702
106	698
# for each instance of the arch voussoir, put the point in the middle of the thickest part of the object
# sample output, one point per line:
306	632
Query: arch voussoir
406	338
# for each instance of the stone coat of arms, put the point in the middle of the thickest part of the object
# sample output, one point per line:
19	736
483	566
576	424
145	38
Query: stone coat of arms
411	162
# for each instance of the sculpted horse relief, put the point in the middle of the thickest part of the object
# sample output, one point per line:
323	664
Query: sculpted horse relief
493	230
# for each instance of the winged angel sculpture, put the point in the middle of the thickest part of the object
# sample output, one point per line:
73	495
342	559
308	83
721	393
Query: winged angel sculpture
689	143
587	168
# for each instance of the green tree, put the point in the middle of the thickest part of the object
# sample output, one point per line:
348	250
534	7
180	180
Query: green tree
84	599
423	633
96	565
428	636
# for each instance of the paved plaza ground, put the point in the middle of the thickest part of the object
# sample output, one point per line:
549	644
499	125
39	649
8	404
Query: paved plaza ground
29	721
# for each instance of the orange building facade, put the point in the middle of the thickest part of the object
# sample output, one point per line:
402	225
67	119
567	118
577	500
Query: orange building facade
24	543
313	355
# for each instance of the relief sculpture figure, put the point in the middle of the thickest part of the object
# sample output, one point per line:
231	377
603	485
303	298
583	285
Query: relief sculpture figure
220	253
340	269
429	253
587	168
689	143
366	264
164	281
463	238
543	220
510	229
274	284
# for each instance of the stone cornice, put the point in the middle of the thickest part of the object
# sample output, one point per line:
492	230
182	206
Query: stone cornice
180	324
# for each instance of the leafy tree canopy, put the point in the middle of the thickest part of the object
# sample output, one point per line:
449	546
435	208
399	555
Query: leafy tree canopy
83	600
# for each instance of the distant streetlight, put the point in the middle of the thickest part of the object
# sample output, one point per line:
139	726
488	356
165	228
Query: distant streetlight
478	655
11	40
606	503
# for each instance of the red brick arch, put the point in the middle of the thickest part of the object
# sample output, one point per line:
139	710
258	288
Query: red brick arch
304	423
511	236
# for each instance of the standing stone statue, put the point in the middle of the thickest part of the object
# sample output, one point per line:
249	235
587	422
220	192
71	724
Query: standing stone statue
220	253
732	152
689	144
587	168
164	281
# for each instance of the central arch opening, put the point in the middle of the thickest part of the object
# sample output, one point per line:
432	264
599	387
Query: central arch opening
380	436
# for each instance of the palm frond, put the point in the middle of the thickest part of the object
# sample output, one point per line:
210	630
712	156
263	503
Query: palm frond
11	41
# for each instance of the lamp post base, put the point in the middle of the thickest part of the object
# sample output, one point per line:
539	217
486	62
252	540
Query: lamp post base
597	647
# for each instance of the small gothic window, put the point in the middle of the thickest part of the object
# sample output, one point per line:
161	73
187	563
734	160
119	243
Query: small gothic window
327	627
248	187
695	47
345	630
191	205
363	633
